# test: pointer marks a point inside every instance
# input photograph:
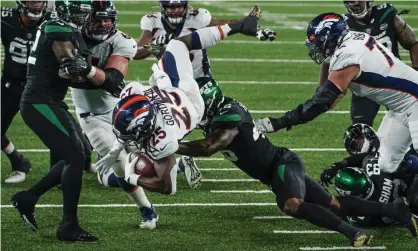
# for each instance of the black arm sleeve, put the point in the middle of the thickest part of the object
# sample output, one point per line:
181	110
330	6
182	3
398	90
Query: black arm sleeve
320	102
112	79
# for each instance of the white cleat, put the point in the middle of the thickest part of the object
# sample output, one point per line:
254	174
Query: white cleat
149	217
193	174
15	177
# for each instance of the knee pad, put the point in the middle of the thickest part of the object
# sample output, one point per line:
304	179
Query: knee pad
125	185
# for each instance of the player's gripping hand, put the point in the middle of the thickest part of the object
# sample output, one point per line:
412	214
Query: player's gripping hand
105	163
328	174
162	40
76	66
266	34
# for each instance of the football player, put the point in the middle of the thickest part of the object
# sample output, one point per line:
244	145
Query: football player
154	119
228	126
177	19
360	63
360	175
111	50
18	28
58	59
386	26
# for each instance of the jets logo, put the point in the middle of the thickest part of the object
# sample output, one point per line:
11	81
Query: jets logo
325	24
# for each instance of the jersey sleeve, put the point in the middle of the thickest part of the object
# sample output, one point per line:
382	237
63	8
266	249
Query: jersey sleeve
148	22
344	57
124	46
204	17
58	30
228	116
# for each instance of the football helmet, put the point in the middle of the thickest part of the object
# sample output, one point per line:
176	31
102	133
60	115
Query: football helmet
361	138
324	34
102	23
133	120
76	13
358	9
353	181
212	97
34	10
174	11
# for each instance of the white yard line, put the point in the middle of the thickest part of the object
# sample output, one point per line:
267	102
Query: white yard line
272	217
229	180
303	232
261	204
240	191
342	248
216	159
218	169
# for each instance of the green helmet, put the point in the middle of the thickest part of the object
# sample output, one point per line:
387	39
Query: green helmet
76	13
353	181
212	97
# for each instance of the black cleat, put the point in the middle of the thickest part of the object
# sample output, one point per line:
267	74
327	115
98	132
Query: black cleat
25	203
361	239
75	234
405	217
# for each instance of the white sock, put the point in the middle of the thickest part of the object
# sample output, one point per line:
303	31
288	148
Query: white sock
173	176
9	148
138	196
209	36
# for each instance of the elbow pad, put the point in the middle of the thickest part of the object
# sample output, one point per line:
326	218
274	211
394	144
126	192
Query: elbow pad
320	102
113	78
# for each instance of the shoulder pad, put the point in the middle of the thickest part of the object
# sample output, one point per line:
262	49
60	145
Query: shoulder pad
345	56
132	89
201	16
385	10
149	22
230	115
124	45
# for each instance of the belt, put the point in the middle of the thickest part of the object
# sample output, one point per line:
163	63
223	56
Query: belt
87	114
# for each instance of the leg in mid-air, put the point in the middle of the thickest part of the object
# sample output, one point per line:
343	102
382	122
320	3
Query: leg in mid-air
10	100
59	131
363	110
98	130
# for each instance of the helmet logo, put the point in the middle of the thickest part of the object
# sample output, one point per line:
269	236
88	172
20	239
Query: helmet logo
327	23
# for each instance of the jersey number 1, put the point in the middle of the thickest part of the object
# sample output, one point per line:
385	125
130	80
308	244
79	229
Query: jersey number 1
371	44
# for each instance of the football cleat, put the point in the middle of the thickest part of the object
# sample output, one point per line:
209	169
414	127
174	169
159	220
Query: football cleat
25	203
192	172
405	217
149	217
361	239
75	234
15	177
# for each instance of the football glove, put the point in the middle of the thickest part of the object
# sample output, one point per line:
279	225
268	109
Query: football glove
76	66
264	125
248	25
130	176
328	174
105	163
266	34
162	39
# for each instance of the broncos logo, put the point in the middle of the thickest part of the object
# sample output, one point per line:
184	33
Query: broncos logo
327	23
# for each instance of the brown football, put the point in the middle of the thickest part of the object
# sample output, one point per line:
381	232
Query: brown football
145	165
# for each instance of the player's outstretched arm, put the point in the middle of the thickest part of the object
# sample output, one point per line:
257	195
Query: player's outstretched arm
213	143
325	98
143	49
408	39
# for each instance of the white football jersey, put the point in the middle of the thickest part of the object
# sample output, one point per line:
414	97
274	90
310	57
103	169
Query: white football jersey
196	19
101	101
383	78
175	117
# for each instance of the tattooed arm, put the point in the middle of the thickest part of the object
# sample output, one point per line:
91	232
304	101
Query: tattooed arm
407	39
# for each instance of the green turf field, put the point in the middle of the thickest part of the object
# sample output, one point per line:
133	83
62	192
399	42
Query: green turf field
226	213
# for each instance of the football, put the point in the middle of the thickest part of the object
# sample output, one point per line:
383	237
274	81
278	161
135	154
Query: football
145	165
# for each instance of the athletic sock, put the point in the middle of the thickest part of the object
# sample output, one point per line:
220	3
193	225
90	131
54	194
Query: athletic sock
50	180
71	181
322	217
138	196
209	36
